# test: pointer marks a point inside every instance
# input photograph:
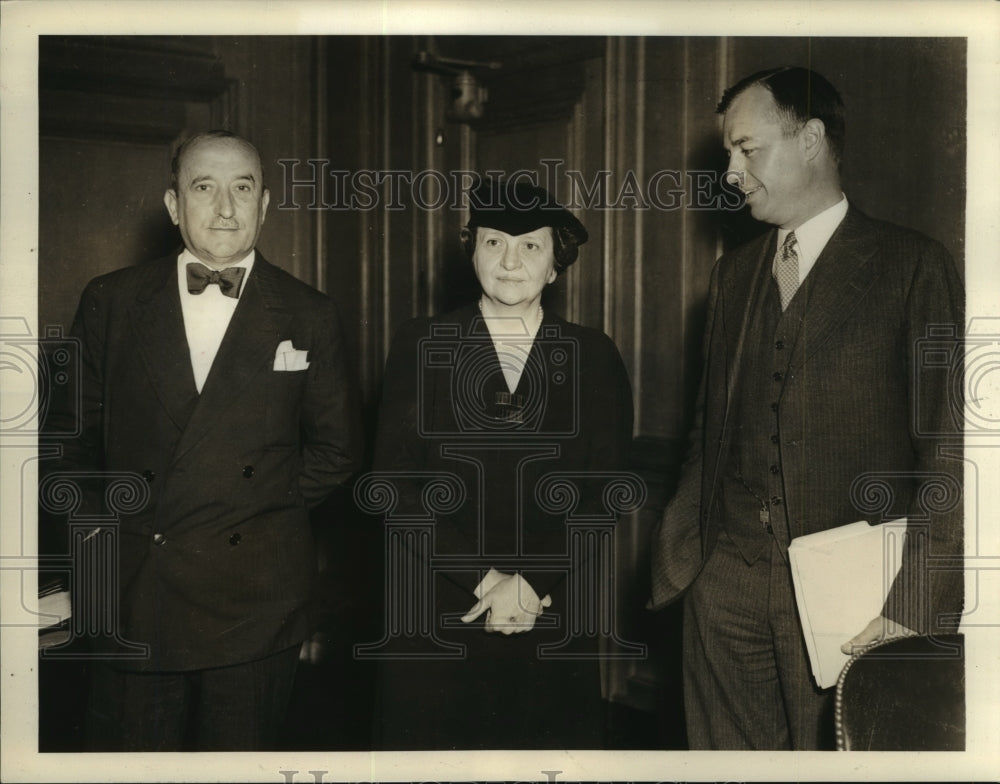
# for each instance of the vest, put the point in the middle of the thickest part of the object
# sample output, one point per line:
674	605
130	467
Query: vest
752	488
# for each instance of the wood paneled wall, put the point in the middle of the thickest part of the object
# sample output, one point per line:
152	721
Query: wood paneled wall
905	153
639	107
112	107
630	107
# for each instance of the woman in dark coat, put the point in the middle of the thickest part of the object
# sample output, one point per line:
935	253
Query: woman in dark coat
495	399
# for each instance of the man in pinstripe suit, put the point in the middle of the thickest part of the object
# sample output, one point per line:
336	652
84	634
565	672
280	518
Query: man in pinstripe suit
812	381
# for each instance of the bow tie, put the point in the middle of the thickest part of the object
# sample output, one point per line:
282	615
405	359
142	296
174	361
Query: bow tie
228	280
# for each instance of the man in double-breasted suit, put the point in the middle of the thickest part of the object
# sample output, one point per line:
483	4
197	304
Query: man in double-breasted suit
814	395
222	381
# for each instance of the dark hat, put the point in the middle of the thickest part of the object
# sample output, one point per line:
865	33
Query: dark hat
517	207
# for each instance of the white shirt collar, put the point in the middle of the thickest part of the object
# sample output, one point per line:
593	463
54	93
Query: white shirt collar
813	235
206	316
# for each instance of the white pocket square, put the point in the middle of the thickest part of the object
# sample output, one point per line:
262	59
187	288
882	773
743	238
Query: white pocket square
288	357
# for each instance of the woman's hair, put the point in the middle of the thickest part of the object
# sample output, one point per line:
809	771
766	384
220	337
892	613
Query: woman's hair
565	245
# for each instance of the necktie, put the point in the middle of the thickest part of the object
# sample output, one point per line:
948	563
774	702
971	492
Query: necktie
786	269
228	280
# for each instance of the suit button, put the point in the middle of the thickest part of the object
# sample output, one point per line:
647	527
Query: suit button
774	407
775	469
770	529
159	539
778	376
148	475
775	439
780	344
235	539
248	471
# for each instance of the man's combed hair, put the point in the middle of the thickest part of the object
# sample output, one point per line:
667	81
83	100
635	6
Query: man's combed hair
183	147
800	95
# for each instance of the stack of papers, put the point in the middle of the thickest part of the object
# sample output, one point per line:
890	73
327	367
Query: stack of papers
842	577
54	608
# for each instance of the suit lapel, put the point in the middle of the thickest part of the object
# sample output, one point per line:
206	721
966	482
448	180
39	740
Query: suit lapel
246	352
742	292
844	271
492	380
162	342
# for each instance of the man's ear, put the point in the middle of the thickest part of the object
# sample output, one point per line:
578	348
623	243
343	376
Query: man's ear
813	135
170	200
265	199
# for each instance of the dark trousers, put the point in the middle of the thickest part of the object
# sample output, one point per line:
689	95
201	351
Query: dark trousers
503	693
498	703
236	708
747	680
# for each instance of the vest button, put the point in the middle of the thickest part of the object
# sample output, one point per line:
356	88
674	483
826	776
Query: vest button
775	439
775	469
776	501
780	344
235	539
248	471
778	376
774	407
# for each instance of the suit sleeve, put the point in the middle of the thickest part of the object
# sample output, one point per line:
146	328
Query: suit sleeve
606	422
677	543
397	445
330	416
399	448
612	443
78	406
927	595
